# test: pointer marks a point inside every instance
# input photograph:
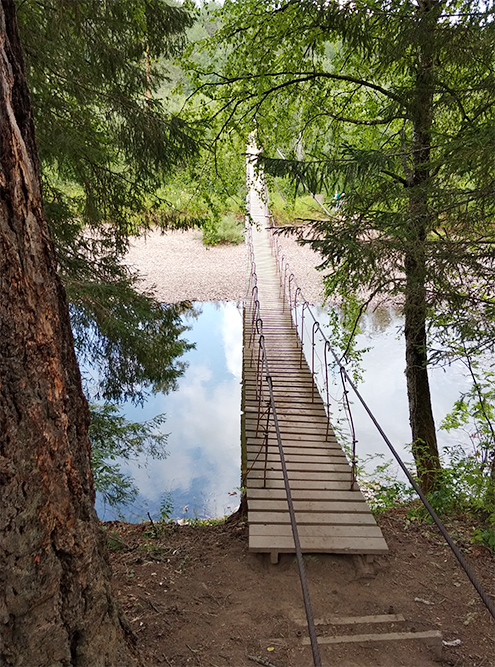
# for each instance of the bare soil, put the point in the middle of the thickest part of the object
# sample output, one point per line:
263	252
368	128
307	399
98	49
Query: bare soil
195	595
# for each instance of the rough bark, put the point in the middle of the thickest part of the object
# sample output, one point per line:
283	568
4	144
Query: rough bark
56	605
424	447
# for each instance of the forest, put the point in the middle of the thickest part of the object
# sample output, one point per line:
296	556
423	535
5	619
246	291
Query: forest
118	117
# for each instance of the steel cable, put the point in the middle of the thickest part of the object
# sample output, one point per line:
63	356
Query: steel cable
443	530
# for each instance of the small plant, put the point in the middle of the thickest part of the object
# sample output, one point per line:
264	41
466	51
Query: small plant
485	536
195	521
226	229
166	508
114	542
380	487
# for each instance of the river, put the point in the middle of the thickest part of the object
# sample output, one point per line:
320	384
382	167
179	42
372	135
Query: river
200	478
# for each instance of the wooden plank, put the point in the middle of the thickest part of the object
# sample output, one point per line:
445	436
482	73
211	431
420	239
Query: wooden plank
294	438
304	412
357	545
338	469
297	421
312	495
299	450
295	474
288	426
294	395
314	530
331	445
279	371
273	457
320	518
280	378
299	484
355	620
428	636
292	424
314	506
290	432
332	455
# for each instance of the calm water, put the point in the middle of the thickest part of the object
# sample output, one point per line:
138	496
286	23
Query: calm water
383	387
201	475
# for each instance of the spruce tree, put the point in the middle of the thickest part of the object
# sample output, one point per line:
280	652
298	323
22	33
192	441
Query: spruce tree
107	142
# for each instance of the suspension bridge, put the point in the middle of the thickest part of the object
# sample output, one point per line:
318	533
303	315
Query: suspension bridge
302	494
285	424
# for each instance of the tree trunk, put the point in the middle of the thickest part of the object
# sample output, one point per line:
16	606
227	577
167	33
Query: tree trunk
56	605
424	446
424	441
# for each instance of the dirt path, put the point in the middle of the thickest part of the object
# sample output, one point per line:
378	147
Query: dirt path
197	596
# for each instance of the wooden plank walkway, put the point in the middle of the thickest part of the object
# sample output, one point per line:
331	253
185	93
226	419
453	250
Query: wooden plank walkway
330	516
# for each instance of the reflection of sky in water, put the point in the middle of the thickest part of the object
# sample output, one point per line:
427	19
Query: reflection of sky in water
383	387
203	466
203	423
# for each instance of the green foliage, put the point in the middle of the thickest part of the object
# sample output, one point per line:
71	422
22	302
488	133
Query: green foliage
377	100
383	495
460	494
297	209
485	536
195	521
93	72
381	487
166	508
113	436
122	334
346	122
474	412
462	485
114	543
106	142
227	230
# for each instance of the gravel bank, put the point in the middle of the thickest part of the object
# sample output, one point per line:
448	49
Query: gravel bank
178	267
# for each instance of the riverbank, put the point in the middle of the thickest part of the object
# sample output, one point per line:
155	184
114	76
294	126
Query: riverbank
176	266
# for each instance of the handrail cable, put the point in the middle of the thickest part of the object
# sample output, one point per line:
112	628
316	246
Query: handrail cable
455	549
295	533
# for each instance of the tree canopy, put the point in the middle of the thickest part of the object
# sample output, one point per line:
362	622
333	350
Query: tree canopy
107	142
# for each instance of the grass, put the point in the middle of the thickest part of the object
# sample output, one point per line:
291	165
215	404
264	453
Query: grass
286	213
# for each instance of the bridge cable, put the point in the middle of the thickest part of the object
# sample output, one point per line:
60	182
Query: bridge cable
295	533
443	530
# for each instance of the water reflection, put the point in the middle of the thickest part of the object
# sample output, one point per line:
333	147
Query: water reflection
383	387
201	475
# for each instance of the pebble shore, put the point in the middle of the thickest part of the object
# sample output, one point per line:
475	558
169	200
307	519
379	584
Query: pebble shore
176	266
